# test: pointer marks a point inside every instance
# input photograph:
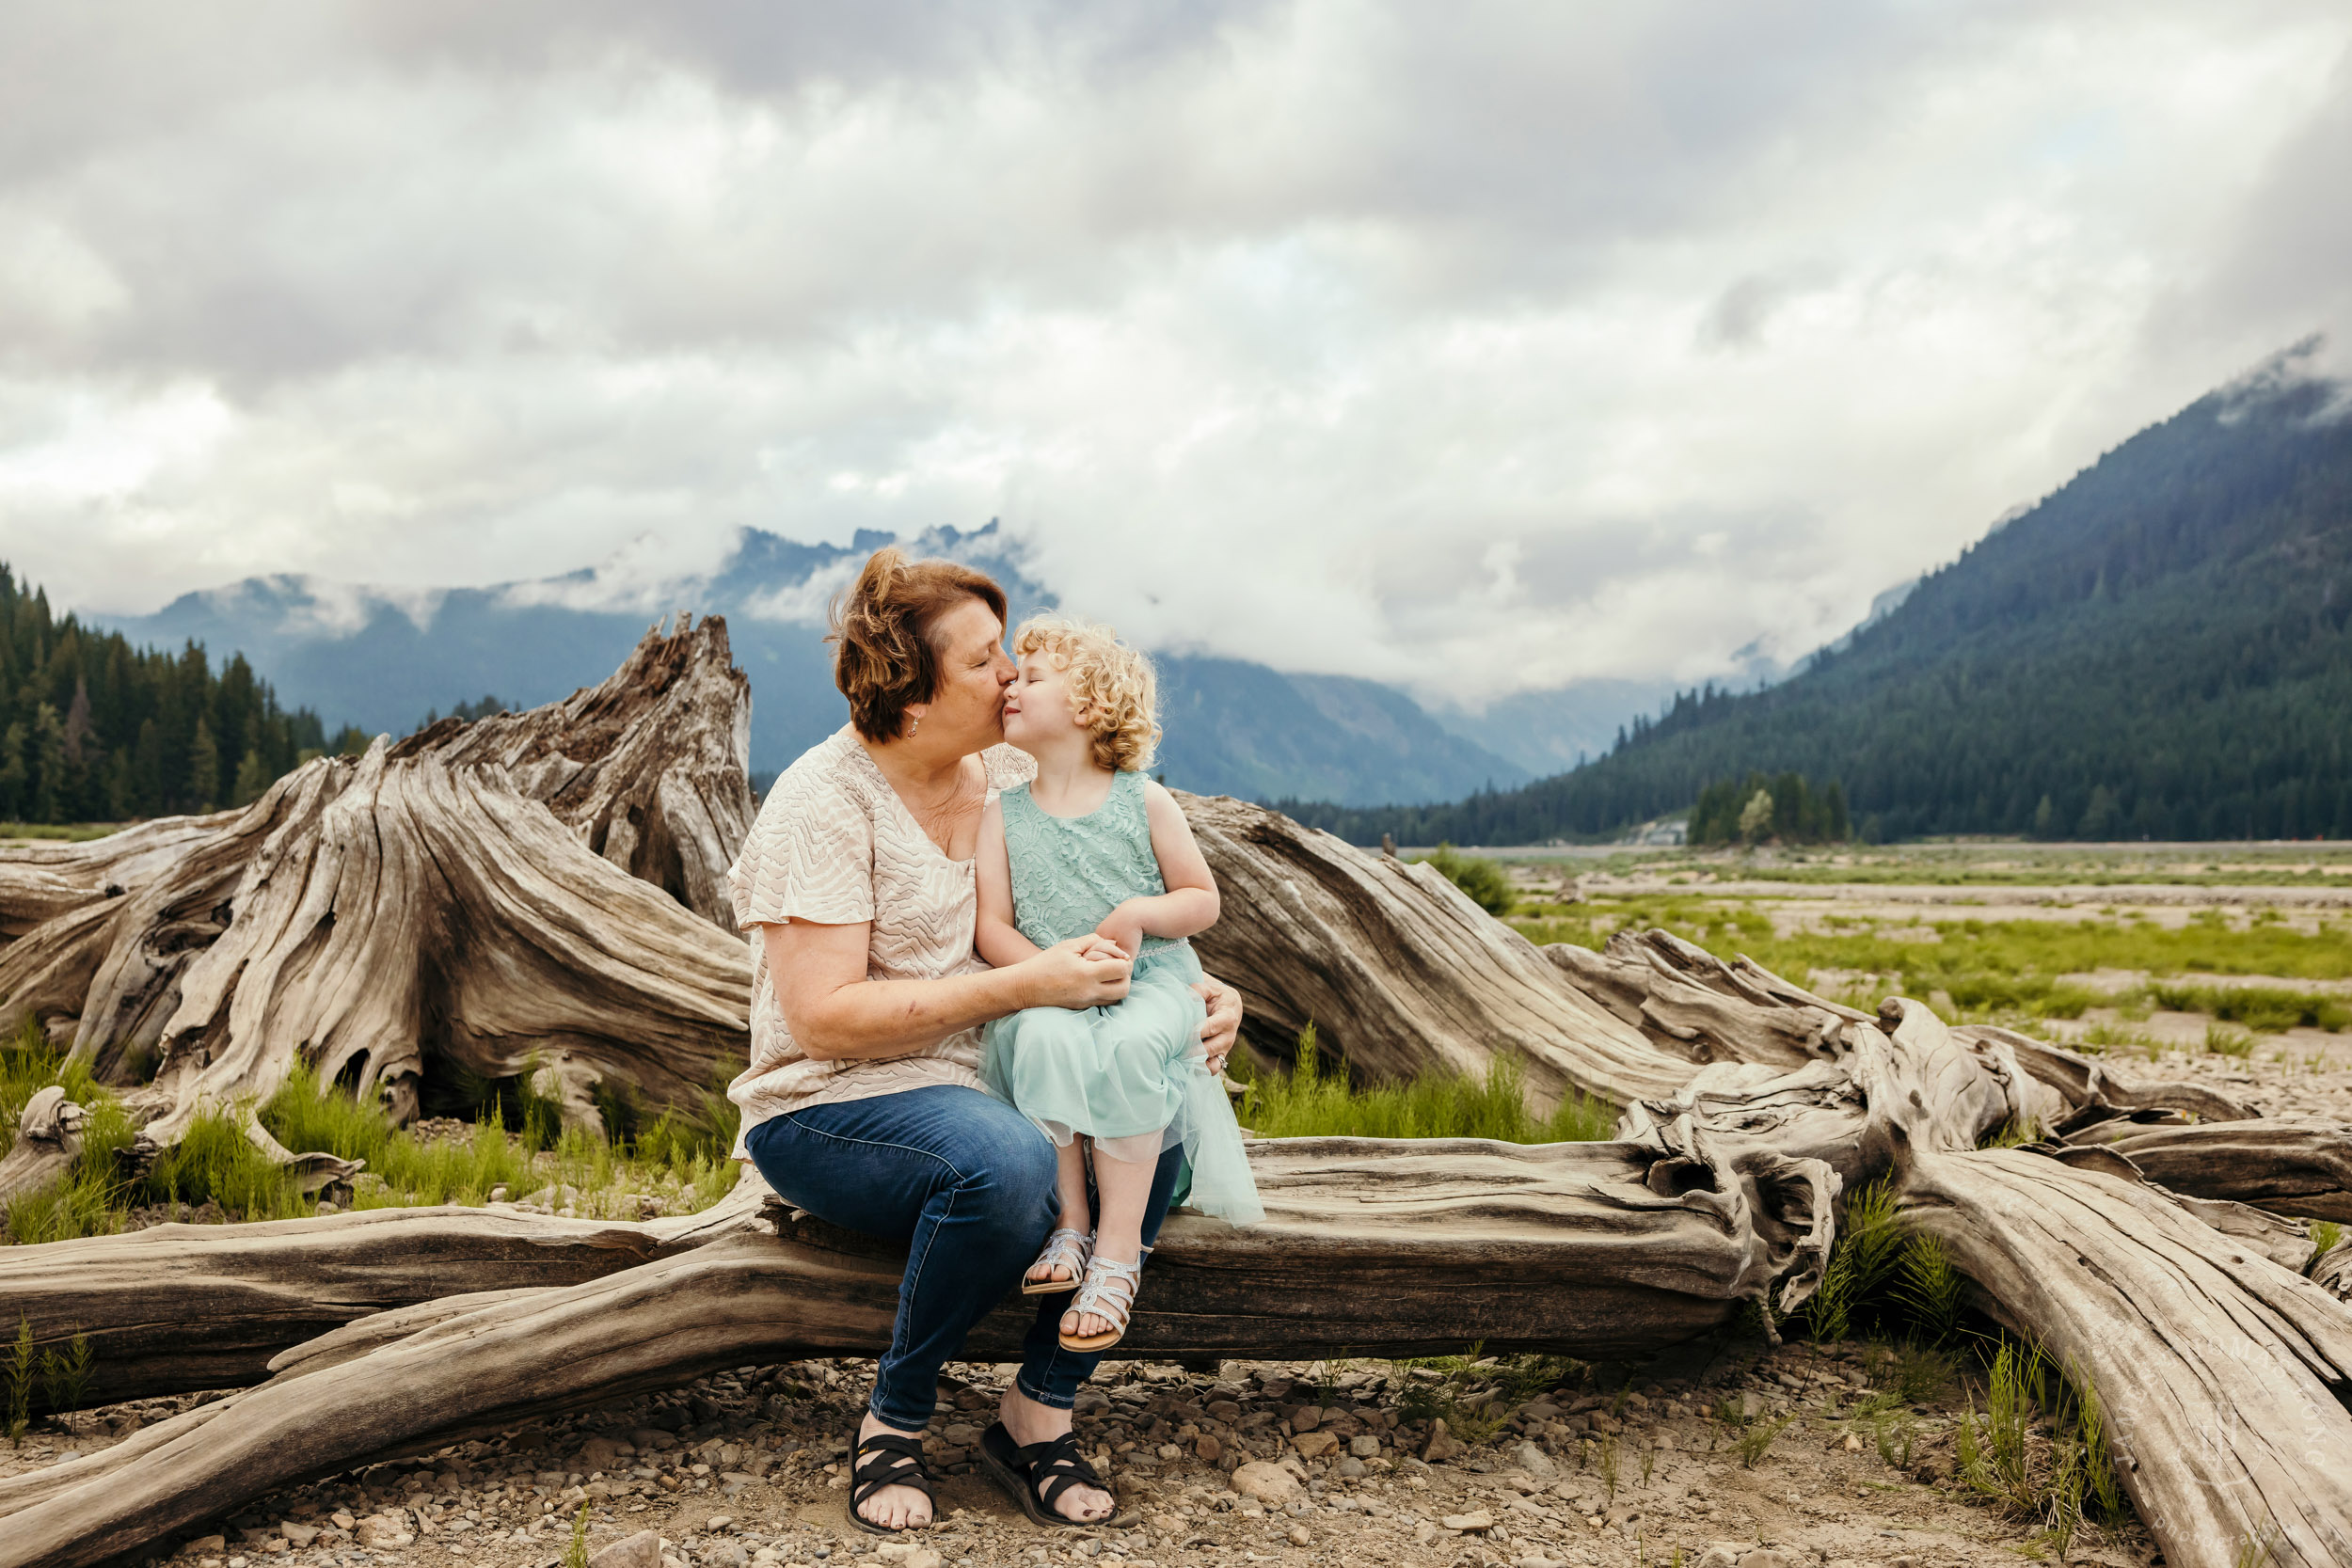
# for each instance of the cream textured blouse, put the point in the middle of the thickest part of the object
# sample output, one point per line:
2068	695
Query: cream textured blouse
833	844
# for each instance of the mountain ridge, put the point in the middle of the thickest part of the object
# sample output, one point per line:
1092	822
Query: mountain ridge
384	658
2158	647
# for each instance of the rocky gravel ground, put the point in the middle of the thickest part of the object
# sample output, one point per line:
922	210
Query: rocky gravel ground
1338	1464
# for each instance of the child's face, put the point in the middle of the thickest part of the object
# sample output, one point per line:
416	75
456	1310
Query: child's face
1038	706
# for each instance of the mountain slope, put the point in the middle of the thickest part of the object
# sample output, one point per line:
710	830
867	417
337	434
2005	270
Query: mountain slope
2159	648
383	659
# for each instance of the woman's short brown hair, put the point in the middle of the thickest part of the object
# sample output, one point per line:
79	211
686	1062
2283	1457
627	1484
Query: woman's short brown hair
882	656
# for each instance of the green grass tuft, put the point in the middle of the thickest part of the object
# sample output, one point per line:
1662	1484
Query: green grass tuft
1756	1441
1931	1292
2059	1479
1313	1101
18	1370
2222	1040
576	1549
1871	1236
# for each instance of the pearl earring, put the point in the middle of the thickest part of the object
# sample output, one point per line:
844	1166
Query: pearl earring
913	725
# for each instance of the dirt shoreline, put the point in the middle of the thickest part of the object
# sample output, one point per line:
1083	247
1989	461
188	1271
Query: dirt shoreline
744	1468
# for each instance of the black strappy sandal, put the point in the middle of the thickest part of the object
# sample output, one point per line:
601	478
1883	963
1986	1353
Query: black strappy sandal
1053	1467
896	1461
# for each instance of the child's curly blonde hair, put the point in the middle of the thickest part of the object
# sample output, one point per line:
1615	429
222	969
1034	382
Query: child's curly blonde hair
1111	685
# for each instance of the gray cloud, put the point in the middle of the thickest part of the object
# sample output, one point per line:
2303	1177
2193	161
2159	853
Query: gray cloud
1484	347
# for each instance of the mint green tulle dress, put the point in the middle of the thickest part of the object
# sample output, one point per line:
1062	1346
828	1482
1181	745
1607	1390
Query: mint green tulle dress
1132	1076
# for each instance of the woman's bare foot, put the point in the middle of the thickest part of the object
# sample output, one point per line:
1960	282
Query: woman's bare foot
893	1507
1031	1422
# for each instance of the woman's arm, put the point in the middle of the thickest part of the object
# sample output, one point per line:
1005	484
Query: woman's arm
993	933
1190	906
835	1013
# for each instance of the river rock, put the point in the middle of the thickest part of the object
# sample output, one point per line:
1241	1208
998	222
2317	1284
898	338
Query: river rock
642	1550
1528	1457
1267	1483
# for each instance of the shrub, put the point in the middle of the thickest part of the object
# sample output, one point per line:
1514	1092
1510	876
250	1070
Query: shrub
1488	887
2269	1009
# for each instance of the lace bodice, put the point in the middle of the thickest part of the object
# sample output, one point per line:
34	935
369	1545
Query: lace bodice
1069	872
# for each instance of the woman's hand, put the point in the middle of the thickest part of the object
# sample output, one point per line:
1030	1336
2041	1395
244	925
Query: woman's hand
1224	1023
1084	972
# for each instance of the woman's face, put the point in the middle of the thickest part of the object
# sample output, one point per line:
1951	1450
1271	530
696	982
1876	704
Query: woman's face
967	709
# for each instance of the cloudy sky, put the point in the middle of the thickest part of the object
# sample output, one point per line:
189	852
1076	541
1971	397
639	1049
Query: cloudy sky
1474	346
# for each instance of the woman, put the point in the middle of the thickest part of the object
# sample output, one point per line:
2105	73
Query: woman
862	1102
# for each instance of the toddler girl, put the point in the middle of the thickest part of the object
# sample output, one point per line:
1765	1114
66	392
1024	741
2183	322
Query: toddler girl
1092	846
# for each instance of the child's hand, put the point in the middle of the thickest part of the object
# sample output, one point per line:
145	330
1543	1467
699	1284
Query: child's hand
1123	925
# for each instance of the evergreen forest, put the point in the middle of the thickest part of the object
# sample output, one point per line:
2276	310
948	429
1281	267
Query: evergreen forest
2162	648
1786	808
92	729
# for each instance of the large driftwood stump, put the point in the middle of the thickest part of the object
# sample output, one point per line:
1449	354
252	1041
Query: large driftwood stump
478	897
542	885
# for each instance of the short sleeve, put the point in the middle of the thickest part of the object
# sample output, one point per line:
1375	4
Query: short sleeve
1008	766
810	855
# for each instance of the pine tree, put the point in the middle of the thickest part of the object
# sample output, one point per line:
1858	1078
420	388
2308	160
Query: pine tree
49	763
13	774
253	779
204	769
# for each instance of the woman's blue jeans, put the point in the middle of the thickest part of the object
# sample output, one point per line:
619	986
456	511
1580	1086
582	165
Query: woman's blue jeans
969	1182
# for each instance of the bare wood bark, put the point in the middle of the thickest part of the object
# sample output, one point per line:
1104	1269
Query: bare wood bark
2287	1164
650	768
40	882
1397	970
179	1308
2223	1376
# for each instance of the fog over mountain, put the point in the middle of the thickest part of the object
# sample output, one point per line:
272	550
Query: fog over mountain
384	658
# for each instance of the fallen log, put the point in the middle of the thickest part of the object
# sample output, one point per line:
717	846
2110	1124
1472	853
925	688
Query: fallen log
1370	1249
179	1308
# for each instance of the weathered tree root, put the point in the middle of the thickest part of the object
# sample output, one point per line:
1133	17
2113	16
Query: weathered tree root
2224	1376
650	770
